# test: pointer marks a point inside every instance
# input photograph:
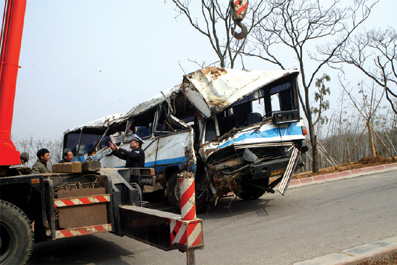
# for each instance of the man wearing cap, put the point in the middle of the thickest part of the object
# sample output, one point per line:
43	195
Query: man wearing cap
135	157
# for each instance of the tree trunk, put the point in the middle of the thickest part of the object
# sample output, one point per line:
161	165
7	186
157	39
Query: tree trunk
371	143
316	166
313	142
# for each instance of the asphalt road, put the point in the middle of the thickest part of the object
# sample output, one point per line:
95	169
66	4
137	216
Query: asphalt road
310	221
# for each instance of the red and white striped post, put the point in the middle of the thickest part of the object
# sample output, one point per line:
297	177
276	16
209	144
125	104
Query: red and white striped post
188	205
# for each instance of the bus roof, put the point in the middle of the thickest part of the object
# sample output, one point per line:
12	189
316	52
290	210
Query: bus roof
210	90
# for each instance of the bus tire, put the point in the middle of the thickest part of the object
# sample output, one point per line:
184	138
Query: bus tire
252	190
173	194
16	233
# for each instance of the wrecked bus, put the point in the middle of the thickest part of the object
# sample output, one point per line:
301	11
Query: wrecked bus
237	131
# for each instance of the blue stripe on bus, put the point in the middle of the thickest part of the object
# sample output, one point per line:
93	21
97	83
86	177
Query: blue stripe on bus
163	162
291	129
159	165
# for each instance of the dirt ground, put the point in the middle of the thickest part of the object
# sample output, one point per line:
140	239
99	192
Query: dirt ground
362	163
390	259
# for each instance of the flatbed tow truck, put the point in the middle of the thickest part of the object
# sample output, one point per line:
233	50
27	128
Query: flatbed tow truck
78	198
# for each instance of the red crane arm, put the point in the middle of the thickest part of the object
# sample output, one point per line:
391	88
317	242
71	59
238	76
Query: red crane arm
11	38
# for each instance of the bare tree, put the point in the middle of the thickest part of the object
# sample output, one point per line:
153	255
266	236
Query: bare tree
361	126
215	23
32	145
367	108
303	30
374	53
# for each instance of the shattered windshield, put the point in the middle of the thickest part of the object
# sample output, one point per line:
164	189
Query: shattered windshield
88	141
253	109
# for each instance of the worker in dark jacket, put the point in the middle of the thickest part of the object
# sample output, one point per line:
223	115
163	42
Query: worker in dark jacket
134	158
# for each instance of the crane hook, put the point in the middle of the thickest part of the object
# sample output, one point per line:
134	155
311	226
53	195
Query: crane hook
238	9
242	34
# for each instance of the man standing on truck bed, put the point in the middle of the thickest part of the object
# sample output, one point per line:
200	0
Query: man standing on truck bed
40	166
135	157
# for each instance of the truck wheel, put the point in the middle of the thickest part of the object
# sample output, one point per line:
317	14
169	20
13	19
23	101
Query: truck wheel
173	195
252	190
16	235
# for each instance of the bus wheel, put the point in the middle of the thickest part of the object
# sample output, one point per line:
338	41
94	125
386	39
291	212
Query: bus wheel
16	235
173	194
252	190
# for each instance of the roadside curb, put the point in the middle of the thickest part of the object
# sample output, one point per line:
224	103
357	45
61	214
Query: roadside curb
341	175
356	255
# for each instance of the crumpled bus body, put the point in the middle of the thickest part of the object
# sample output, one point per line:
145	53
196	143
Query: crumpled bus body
234	129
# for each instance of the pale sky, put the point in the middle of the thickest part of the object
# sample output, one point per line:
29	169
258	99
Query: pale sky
84	59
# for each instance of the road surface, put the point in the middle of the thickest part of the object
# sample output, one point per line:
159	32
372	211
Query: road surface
310	221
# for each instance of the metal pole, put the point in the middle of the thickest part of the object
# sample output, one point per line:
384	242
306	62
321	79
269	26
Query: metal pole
188	205
190	260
